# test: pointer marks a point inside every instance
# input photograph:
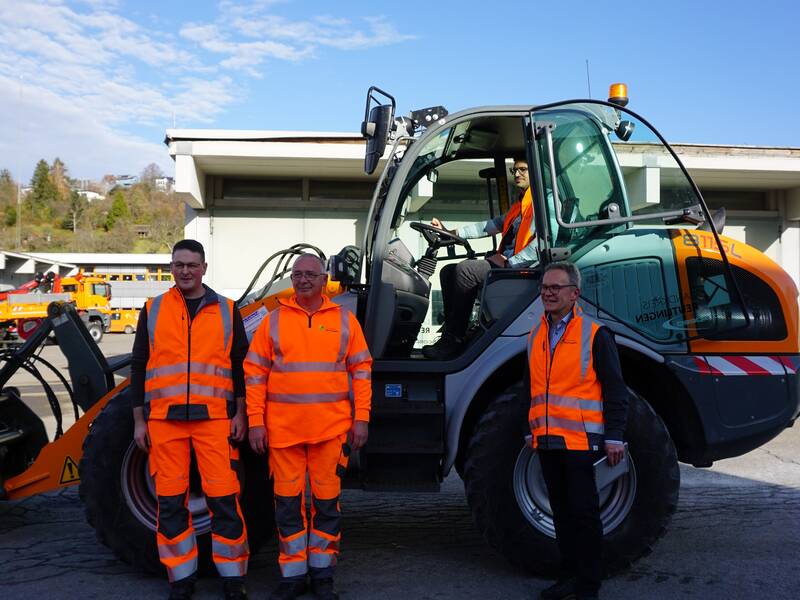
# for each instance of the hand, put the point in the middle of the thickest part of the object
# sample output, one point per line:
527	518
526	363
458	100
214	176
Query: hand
258	439
498	260
614	452
140	435
358	434
238	426
437	223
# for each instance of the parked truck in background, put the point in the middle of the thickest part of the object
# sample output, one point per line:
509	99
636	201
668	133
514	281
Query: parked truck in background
707	329
25	310
129	292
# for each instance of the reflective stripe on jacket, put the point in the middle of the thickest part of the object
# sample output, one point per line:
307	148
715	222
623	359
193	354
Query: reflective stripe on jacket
566	397
307	375
188	375
525	232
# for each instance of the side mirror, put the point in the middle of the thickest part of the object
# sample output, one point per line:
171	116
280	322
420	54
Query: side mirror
718	217
376	130
376	127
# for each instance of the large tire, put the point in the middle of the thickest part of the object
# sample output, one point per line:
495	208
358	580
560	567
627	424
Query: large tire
509	502
119	495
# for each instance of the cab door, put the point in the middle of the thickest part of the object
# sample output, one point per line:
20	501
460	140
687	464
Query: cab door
613	197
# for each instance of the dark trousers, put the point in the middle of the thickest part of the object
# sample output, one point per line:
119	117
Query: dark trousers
460	286
569	475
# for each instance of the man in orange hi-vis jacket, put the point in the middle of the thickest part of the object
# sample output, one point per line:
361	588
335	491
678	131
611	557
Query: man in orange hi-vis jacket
304	360
187	388
461	282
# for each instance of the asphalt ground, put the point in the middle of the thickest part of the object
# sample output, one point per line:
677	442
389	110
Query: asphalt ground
736	535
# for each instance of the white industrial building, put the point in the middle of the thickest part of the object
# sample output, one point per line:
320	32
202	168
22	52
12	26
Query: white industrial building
252	193
17	268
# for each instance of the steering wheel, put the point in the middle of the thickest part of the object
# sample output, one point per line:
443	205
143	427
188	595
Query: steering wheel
438	238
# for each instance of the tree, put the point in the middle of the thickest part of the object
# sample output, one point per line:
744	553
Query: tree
119	210
43	193
10	218
60	178
8	199
150	173
75	210
8	188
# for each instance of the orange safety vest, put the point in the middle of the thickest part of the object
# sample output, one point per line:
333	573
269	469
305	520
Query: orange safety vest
525	232
566	397
188	375
299	372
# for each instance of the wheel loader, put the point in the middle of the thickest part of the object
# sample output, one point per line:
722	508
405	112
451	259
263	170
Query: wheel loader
706	326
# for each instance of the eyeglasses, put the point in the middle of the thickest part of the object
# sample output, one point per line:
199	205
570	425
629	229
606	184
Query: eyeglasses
310	275
555	288
522	170
179	266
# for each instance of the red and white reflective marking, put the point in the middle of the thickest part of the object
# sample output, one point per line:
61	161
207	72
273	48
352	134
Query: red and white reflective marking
744	365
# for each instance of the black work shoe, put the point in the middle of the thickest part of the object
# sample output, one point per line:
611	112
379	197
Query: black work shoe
563	589
183	589
448	346
323	589
234	590
288	590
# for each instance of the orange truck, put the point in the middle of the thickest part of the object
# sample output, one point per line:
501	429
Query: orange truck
90	296
707	330
123	320
129	292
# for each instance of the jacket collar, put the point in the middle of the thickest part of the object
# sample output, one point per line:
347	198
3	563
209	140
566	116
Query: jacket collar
210	296
576	311
291	302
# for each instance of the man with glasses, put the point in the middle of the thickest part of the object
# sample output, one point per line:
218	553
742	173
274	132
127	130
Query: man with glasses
308	401
187	391
462	282
578	410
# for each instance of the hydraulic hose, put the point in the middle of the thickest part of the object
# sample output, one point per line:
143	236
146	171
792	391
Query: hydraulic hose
283	257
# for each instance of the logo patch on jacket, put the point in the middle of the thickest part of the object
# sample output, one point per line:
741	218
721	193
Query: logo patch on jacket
328	329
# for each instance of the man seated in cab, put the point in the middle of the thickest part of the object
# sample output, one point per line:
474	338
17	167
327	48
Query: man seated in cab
461	282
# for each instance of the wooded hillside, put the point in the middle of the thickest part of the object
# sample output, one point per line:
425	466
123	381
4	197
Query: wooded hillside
55	217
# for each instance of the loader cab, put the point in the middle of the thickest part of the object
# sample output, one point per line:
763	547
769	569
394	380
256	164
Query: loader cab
608	193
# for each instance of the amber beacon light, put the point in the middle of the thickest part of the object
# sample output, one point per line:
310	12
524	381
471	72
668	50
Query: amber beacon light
618	94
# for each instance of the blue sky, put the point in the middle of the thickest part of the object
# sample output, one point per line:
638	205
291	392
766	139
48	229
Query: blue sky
97	82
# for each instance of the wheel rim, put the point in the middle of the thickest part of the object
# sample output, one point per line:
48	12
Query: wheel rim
530	490
96	333
139	491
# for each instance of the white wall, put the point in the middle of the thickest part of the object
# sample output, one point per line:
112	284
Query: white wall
237	243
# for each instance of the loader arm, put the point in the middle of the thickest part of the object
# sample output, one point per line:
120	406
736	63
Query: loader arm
29	464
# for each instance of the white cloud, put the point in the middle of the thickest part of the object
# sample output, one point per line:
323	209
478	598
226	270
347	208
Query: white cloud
47	125
90	76
274	36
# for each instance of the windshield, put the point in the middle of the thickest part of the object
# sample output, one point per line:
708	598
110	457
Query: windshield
100	289
608	166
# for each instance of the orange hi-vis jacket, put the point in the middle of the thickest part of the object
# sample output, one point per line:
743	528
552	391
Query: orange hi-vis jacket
300	370
525	231
566	396
188	374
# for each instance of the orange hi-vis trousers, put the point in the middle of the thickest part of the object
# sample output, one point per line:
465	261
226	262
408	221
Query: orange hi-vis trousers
170	458
303	550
